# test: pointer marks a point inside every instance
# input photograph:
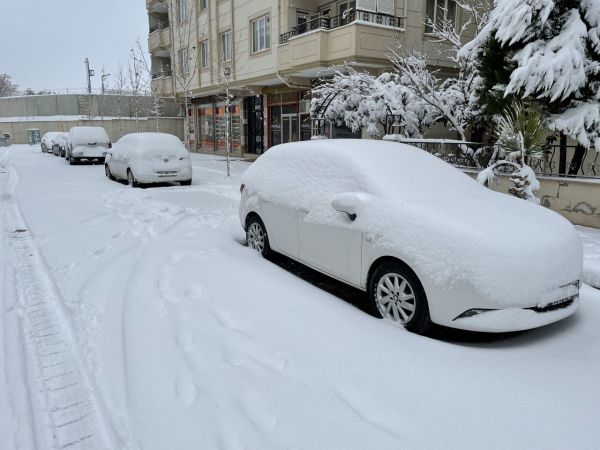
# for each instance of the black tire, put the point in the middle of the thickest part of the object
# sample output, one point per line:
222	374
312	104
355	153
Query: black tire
109	175
420	322
254	229
186	183
72	161
131	179
44	148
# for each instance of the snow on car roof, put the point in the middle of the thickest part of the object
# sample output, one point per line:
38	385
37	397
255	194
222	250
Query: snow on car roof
85	135
153	142
376	167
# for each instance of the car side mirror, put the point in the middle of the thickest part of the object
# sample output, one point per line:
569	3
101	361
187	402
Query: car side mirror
349	203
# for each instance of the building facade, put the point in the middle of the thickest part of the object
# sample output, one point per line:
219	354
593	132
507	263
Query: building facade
268	54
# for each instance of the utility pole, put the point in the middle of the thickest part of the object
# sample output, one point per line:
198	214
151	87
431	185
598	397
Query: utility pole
103	77
89	74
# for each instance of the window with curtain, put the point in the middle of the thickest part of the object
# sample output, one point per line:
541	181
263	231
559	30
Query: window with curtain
226	46
184	62
204	55
261	34
439	12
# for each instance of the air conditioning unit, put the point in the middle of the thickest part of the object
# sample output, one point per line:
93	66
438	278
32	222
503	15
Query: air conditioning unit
304	106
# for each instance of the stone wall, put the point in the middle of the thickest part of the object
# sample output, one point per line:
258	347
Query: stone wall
577	199
114	127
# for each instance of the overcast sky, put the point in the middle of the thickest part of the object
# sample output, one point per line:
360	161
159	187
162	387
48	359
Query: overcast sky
43	43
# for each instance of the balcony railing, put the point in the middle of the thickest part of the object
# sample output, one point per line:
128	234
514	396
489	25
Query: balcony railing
159	26
162	74
329	23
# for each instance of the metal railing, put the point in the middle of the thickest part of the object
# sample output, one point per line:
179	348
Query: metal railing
329	23
162	74
159	26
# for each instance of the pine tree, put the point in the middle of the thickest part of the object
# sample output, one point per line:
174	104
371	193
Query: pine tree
547	52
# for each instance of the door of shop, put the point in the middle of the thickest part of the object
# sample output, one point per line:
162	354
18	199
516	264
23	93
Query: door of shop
289	128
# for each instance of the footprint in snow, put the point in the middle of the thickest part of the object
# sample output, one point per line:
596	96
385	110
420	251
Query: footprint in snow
194	292
186	391
185	341
226	321
257	411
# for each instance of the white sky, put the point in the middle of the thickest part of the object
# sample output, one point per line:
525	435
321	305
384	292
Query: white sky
43	43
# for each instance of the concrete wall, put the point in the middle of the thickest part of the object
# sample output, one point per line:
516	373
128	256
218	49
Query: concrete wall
114	127
576	199
73	105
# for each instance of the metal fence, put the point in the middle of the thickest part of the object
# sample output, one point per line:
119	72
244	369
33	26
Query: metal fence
576	161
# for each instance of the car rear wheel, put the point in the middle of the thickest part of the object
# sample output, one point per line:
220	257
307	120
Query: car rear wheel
256	236
399	296
186	183
72	161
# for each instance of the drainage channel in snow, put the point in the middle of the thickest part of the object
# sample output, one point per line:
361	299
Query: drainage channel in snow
65	411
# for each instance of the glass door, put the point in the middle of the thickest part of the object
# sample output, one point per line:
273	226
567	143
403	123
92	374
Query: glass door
289	128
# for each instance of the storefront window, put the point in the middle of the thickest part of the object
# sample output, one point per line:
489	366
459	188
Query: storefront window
206	117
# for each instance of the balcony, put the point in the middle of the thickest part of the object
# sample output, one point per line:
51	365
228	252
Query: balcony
351	16
159	40
162	84
357	36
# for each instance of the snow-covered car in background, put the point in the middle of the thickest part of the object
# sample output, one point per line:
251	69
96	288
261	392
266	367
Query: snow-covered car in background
87	144
48	139
426	242
5	140
146	158
59	144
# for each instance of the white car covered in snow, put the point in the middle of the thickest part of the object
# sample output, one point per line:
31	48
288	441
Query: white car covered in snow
49	138
87	144
426	242
145	158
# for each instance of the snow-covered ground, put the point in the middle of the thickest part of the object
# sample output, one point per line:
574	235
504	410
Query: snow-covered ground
173	335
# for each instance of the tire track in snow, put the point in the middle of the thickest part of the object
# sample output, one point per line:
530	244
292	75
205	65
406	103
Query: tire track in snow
65	410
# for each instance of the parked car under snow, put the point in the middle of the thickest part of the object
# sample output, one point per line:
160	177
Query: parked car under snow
59	144
146	158
425	241
48	139
87	144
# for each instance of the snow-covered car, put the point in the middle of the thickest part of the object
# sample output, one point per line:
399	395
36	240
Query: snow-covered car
48	139
87	144
146	158
5	140
426	242
59	144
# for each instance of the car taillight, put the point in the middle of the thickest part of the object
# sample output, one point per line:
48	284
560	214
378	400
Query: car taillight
242	188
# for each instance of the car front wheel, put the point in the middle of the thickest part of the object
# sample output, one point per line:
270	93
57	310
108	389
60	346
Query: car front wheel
131	179
399	296
107	172
256	236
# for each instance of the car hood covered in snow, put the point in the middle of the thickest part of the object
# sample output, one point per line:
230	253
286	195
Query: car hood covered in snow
444	224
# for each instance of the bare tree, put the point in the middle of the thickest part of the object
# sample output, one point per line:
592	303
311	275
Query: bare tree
184	55
138	77
7	87
158	105
120	84
450	96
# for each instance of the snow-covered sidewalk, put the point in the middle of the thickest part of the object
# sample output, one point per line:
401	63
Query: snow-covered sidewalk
189	340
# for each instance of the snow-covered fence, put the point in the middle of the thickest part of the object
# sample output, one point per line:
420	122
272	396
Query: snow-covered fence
450	150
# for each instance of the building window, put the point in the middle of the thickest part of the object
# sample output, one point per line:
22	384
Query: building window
261	34
182	10
184	62
203	4
204	56
226	46
440	12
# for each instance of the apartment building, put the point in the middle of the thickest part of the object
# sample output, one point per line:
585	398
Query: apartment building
270	53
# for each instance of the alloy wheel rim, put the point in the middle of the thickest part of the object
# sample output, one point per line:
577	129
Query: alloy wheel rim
256	237
396	298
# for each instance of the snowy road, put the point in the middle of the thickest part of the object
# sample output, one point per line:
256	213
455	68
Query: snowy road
178	337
